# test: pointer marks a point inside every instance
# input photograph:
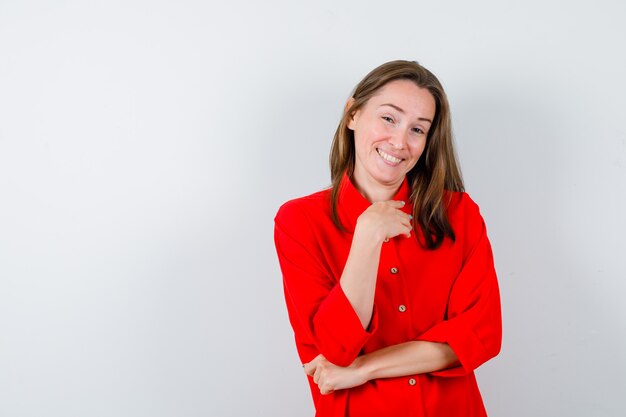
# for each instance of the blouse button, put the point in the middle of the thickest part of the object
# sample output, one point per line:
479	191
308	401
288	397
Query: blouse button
394	270
402	308
412	381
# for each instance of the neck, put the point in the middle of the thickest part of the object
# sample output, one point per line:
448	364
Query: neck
374	191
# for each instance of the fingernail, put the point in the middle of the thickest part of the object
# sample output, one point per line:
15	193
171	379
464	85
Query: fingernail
410	217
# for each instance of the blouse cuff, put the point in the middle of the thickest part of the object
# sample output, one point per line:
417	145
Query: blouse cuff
343	326
467	347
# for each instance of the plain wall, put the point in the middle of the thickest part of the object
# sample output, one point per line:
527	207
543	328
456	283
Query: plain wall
145	147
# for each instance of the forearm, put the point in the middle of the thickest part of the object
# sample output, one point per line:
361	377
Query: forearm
415	357
358	280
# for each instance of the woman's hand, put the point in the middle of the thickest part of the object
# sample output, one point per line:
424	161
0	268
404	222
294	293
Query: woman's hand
330	377
384	220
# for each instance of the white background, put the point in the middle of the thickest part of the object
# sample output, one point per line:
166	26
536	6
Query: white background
145	147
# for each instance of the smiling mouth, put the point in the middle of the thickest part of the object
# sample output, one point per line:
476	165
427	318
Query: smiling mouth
388	158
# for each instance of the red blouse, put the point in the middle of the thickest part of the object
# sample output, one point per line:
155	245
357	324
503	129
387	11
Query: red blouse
447	295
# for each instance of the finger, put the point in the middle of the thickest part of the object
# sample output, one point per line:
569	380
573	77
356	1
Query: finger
309	368
406	223
326	390
405	216
408	228
395	203
317	374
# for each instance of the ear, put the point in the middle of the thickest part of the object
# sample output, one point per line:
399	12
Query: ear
351	120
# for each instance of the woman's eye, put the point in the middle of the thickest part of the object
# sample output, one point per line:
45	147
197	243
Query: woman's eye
388	119
418	131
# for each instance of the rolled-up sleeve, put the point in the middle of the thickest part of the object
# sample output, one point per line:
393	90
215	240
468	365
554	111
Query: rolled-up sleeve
319	311
473	324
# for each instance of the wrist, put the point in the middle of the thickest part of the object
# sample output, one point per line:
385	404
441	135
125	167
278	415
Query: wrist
365	233
362	367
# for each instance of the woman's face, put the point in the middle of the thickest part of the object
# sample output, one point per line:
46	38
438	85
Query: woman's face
390	135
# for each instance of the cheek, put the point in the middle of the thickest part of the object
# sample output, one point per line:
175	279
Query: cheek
374	129
360	146
368	138
417	147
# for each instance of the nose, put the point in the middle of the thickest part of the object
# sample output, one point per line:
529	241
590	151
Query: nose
398	139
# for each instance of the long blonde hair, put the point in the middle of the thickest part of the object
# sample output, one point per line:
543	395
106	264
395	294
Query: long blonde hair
436	170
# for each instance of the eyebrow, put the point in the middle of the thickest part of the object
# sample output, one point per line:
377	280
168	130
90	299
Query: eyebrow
402	111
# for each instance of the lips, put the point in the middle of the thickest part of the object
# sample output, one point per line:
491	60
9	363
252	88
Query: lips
389	158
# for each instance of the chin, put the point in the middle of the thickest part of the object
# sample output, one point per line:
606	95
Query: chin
389	180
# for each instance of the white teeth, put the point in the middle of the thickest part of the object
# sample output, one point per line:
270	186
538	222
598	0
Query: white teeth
388	157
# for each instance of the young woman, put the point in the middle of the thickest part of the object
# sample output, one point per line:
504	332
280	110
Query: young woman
388	275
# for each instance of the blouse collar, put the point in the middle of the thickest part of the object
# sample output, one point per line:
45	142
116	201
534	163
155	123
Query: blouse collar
351	203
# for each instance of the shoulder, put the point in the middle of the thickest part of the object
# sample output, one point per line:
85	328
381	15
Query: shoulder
461	209
298	210
458	200
297	221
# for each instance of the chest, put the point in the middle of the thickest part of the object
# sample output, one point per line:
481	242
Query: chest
413	284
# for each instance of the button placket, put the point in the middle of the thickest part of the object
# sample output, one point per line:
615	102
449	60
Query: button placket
391	263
